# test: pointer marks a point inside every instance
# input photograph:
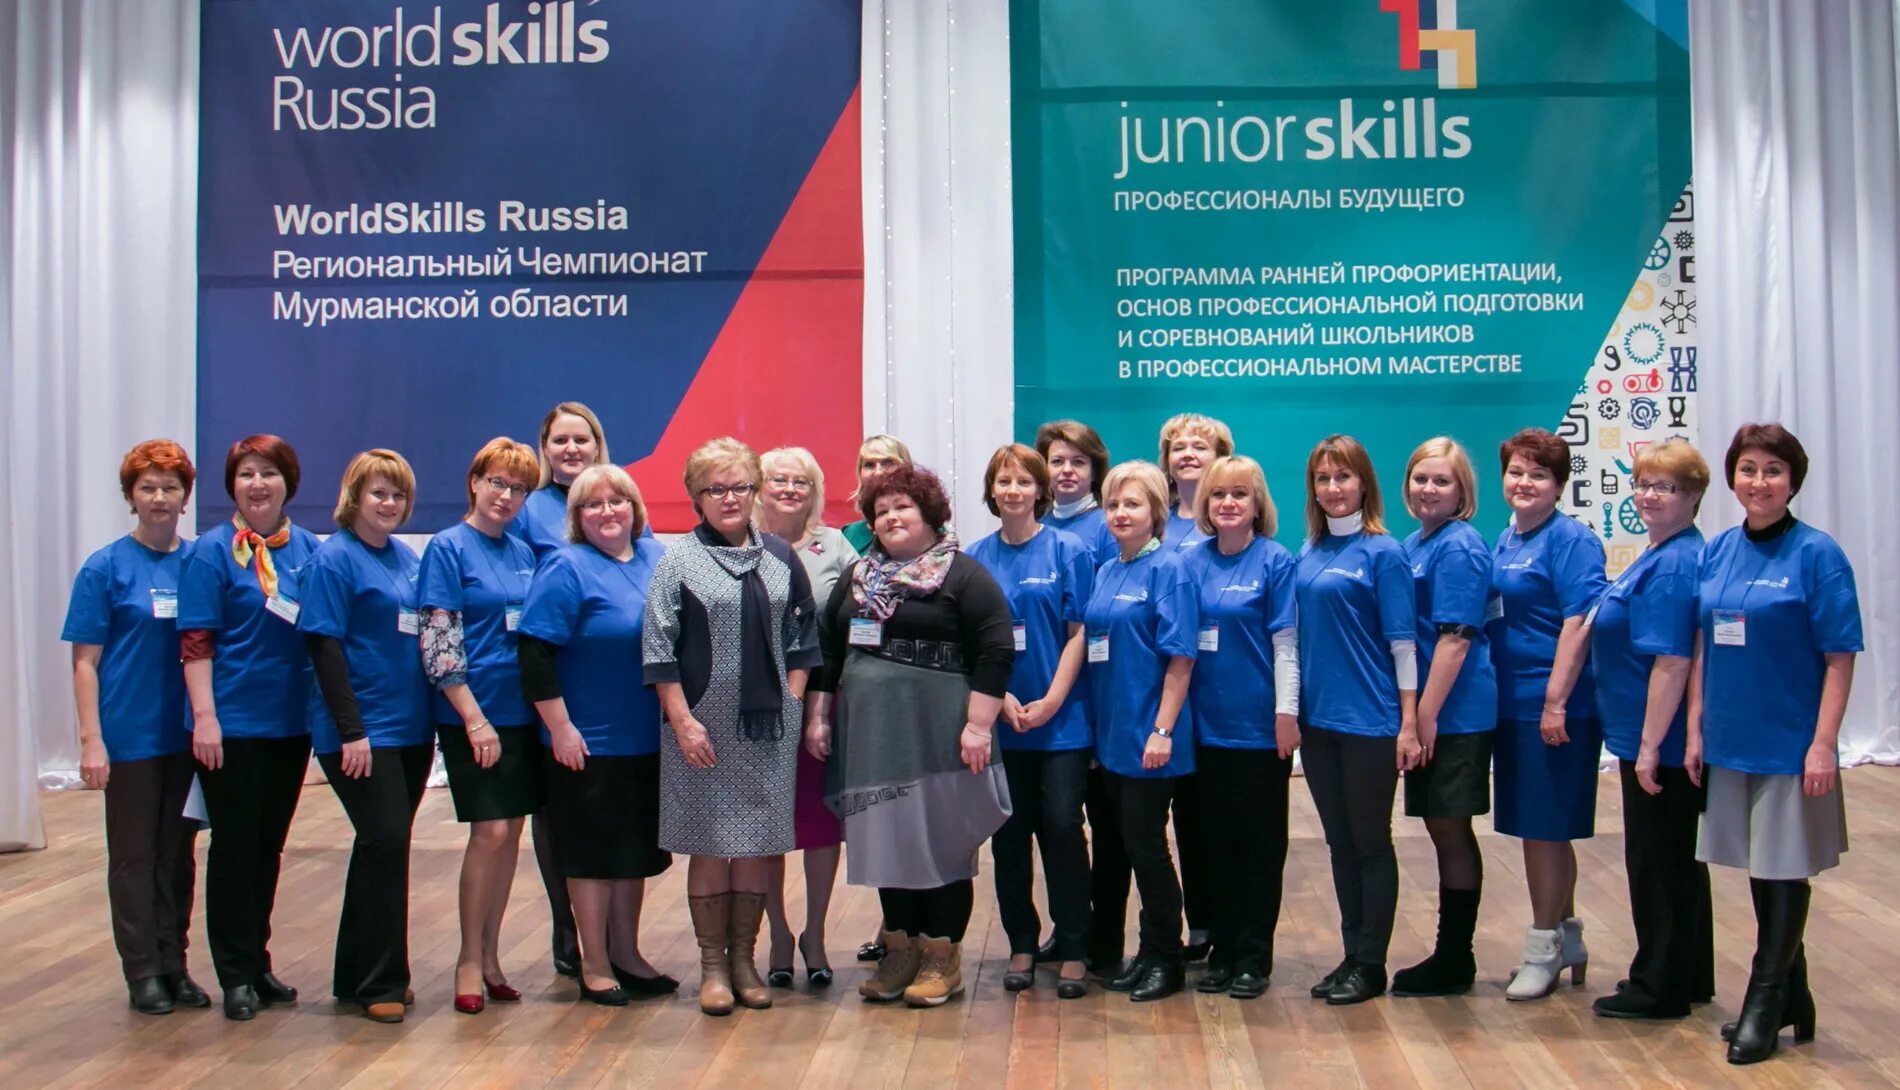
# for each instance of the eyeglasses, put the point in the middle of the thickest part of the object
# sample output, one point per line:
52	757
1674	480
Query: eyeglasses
616	503
796	484
505	487
1660	488
721	491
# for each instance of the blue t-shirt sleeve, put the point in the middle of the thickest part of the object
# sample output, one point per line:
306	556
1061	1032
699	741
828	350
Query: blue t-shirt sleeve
1663	614
326	596
1833	603
1177	613
89	612
1281	600
553	609
1461	586
1392	582
1577	573
439	585
1078	581
201	589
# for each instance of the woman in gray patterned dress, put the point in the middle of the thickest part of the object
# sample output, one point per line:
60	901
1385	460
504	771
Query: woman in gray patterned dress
730	639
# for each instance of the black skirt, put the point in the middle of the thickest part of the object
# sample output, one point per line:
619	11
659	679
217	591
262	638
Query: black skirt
1458	781
606	817
514	786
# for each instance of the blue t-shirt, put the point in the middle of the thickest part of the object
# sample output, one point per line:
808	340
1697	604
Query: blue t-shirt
1182	536
1091	529
125	601
593	608
1355	598
1650	610
1771	612
1047	581
1541	581
1245	599
1451	583
366	598
542	522
261	678
485	580
1148	610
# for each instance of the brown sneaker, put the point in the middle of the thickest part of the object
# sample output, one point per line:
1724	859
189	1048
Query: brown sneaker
895	972
747	910
712	919
939	977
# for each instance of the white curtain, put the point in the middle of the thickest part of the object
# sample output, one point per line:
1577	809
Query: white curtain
1797	164
98	199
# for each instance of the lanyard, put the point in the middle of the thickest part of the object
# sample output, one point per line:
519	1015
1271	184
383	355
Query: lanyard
486	548
390	577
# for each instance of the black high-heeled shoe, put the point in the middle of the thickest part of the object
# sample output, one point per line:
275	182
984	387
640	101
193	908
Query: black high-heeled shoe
816	976
871	951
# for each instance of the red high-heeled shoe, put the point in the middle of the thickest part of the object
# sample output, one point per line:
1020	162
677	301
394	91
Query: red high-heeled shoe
470	1004
502	993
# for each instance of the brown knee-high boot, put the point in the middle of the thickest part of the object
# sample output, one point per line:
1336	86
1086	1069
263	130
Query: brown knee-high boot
747	910
712	920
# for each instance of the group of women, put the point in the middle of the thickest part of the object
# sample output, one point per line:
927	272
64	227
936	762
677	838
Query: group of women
1131	649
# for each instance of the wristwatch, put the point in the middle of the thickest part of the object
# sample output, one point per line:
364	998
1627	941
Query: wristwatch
1165	732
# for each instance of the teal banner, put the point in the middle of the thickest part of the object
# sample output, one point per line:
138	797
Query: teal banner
1391	218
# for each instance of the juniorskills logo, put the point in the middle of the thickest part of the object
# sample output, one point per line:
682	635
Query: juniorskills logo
1430	37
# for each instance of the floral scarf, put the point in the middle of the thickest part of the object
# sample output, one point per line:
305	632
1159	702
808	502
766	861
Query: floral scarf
878	582
252	550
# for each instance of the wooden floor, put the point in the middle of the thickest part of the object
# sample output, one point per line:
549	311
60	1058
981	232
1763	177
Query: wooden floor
64	1021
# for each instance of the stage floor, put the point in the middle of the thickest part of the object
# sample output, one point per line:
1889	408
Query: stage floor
64	1020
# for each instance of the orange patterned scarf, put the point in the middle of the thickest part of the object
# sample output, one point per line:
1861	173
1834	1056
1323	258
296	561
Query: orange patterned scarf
247	544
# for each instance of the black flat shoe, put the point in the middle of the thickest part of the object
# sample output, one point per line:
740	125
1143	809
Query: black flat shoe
1019	980
148	995
1163	979
185	991
1358	984
1071	989
241	1003
615	996
1196	951
816	976
634	984
1626	1005
871	951
1215	980
1248	984
778	978
1325	986
271	990
1047	952
1130	975
567	967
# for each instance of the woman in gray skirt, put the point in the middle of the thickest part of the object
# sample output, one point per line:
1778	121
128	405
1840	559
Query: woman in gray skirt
917	640
729	640
1780	625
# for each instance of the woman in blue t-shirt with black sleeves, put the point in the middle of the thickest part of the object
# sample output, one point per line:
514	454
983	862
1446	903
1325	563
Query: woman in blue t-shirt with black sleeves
1358	700
1139	642
1046	575
1642	637
253	700
1780	625
1457	705
129	693
473	584
1246	717
361	623
1547	571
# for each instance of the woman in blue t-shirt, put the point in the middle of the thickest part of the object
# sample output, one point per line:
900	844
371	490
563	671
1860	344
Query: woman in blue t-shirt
473	584
1547	571
1358	701
361	623
1246	717
1642	636
1780	625
129	692
1046	575
253	701
1139	633
1457	706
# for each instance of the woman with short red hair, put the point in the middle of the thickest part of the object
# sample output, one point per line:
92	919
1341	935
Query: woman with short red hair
122	621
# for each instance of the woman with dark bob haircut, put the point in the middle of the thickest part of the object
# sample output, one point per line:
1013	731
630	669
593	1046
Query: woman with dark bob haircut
917	640
1780	625
253	702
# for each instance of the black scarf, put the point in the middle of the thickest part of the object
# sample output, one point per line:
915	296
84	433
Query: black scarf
761	704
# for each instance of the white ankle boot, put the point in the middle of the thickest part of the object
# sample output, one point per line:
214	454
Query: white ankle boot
1543	960
1576	956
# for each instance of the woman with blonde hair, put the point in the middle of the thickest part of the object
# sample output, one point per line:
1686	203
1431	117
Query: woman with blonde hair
877	455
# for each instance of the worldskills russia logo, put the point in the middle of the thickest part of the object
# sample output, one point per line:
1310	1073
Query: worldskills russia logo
1430	37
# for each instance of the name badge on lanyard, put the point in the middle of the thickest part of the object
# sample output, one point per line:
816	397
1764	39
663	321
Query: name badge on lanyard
1210	637
283	608
1731	627
1098	647
1494	608
1020	632
866	632
408	622
164	604
511	616
1590	618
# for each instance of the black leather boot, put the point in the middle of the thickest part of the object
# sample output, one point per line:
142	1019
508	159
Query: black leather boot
1771	999
1451	969
148	995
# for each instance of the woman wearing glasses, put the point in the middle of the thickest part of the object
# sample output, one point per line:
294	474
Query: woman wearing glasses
791	506
474	581
731	636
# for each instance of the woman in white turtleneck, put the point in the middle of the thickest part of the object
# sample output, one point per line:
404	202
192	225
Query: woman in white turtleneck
1359	700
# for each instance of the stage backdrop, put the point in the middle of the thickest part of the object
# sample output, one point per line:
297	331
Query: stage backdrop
1393	218
421	225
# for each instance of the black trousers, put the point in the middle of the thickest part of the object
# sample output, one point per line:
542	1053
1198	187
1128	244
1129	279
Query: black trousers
1194	840
1244	797
1109	872
1144	807
1045	794
941	913
250	801
372	937
151	865
1669	890
1353	778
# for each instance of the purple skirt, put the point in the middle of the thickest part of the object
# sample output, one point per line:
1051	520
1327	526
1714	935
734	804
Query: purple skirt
813	823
